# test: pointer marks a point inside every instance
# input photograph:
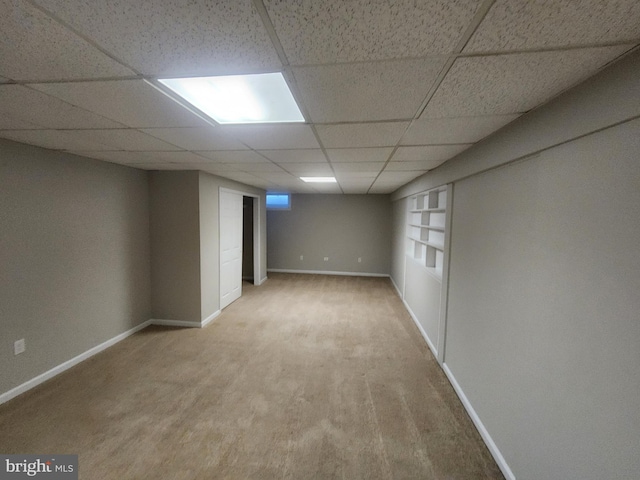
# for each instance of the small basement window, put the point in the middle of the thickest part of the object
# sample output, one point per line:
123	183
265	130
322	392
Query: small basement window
278	201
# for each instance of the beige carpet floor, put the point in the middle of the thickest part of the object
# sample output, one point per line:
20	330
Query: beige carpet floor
304	377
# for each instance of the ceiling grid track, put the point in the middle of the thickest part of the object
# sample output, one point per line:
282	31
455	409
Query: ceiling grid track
464	39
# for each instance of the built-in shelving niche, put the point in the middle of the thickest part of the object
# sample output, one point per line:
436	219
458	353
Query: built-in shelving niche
426	229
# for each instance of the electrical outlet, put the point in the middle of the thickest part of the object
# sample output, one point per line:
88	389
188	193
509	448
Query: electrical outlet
301	257
326	259
19	346
359	259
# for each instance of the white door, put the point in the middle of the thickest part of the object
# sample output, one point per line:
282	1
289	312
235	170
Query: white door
230	247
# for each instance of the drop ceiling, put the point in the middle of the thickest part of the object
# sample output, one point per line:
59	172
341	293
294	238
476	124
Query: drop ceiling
389	89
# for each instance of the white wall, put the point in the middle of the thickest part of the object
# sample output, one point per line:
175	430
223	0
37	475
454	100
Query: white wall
543	326
74	257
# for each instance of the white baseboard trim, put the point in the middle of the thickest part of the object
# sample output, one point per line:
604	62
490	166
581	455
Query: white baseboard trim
209	319
422	332
262	280
34	382
493	448
327	272
174	323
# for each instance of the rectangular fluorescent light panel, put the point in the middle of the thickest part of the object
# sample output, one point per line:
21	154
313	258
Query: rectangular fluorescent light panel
318	179
259	98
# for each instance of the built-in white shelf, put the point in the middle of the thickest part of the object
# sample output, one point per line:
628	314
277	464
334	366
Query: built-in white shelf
426	229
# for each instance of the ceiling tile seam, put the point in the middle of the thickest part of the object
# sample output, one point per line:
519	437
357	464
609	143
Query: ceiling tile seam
585	78
39	92
432	90
556	48
74	80
184	104
84	37
529	155
362	122
263	156
324	152
477	19
271	31
435	56
462	42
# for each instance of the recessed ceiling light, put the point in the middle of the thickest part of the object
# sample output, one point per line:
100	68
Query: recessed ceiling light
259	98
318	179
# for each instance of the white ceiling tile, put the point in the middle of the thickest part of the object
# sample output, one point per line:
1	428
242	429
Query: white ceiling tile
348	176
343	155
393	177
308	169
52	51
242	177
382	134
290	184
9	122
125	139
196	138
161	166
513	83
339	31
237	156
348	190
32	107
380	189
135	158
273	137
420	165
134	103
118	156
281	178
221	168
262	167
366	91
356	183
454	130
430	155
326	188
173	37
534	24
364	167
216	168
54	139
177	157
295	156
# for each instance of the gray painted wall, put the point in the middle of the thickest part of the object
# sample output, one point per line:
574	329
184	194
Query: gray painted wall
542	329
74	256
341	227
175	245
398	242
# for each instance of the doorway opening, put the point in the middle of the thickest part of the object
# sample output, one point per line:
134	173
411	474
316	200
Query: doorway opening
248	271
240	242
